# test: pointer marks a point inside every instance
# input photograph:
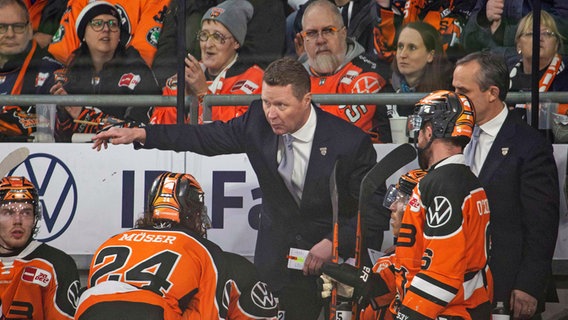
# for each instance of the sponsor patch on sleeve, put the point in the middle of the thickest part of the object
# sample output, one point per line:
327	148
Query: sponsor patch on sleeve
245	86
36	276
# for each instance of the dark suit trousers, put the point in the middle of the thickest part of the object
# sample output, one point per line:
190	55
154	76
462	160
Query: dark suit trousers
300	298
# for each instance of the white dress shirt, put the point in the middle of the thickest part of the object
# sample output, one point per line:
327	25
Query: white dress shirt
489	131
302	146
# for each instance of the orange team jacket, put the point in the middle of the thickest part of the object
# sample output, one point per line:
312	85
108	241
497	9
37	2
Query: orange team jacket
144	17
41	282
35	9
440	263
186	275
238	80
357	76
447	19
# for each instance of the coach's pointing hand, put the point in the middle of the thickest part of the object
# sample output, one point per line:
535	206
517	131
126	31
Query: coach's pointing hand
118	136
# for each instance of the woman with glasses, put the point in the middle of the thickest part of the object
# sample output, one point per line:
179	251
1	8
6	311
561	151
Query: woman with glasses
220	71
551	70
102	65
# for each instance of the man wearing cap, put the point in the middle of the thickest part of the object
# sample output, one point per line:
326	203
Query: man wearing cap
25	68
221	71
264	41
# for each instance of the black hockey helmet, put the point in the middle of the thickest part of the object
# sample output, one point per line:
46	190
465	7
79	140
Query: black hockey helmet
178	197
452	116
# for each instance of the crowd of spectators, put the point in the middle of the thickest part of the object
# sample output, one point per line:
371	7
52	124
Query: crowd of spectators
409	46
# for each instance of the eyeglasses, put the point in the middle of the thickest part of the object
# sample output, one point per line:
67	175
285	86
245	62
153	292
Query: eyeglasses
216	36
325	33
543	34
16	27
99	24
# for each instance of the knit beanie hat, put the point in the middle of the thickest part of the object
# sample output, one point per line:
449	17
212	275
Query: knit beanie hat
92	10
234	15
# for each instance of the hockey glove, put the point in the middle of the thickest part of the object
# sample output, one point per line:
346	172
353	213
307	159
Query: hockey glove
362	284
89	121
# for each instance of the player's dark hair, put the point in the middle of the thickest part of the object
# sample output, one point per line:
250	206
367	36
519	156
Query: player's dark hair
492	71
288	71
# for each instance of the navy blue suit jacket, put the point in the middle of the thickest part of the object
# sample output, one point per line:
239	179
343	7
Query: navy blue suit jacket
284	224
521	181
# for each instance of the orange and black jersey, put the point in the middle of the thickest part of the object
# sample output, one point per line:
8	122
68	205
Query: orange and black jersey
447	16
41	282
357	75
175	270
30	72
440	261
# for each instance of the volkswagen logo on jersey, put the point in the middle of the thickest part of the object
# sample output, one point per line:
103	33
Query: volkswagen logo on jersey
57	192
262	297
439	213
227	294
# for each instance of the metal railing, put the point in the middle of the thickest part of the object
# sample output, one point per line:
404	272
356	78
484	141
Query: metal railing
233	100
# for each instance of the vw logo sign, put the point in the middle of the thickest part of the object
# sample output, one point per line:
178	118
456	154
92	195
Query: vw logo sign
57	192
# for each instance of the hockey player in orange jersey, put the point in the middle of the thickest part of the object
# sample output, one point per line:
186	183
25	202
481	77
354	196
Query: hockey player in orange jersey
142	18
439	269
166	269
37	281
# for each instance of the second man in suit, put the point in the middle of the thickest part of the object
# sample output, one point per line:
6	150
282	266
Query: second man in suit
516	167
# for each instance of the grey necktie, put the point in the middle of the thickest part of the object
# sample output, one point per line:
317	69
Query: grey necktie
286	166
470	153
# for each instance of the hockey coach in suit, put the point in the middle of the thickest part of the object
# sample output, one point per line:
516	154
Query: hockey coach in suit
516	167
297	212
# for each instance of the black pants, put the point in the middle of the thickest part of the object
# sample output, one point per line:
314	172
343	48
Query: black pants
300	299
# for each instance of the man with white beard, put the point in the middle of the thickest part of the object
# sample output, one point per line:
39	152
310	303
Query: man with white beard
337	65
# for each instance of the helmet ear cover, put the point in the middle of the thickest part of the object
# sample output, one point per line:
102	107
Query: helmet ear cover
20	189
450	114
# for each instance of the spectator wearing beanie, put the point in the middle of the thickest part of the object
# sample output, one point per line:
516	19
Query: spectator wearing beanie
222	34
101	65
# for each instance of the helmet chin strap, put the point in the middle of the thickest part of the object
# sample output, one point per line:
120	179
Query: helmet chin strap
423	166
17	250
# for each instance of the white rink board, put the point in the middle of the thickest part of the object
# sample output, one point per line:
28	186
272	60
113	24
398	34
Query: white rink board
88	194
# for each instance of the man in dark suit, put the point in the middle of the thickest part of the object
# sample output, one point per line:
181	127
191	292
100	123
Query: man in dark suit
516	166
296	210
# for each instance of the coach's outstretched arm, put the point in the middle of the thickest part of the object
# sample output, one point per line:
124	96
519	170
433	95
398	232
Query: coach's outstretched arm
118	136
